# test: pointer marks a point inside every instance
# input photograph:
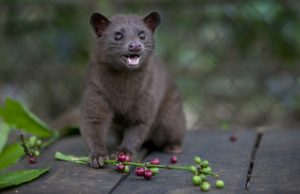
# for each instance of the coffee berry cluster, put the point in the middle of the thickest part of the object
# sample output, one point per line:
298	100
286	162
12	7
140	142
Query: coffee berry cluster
200	170
31	148
123	163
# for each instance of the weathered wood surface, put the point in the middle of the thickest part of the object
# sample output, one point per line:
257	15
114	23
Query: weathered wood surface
230	160
276	168
277	164
66	177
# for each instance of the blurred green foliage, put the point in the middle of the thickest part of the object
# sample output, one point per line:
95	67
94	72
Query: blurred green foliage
236	62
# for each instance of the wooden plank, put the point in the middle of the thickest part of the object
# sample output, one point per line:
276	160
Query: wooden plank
277	164
65	177
230	160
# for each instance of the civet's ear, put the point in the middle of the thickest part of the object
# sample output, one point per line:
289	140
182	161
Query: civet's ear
99	22
152	20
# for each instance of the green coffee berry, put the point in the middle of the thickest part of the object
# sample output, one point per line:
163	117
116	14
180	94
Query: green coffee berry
193	169
36	153
197	160
39	142
126	169
196	180
204	163
154	171
205	186
32	141
220	184
206	170
203	177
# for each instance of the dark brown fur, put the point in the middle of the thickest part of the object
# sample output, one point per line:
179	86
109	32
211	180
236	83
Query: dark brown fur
144	101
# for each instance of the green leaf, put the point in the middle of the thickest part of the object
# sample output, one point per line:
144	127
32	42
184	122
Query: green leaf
18	177
18	116
10	155
4	131
71	158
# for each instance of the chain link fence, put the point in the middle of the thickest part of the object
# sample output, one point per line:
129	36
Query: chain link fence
235	62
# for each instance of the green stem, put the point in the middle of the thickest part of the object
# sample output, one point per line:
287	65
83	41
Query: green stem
210	173
170	167
114	162
84	160
27	152
147	165
55	137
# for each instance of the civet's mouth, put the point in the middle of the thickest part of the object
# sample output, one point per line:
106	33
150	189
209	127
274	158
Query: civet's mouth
133	59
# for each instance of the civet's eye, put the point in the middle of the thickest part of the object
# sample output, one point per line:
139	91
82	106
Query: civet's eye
142	35
118	36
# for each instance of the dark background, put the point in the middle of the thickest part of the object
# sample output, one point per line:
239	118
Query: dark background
235	62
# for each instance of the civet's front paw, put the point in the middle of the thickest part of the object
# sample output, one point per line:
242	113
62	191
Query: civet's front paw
97	159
